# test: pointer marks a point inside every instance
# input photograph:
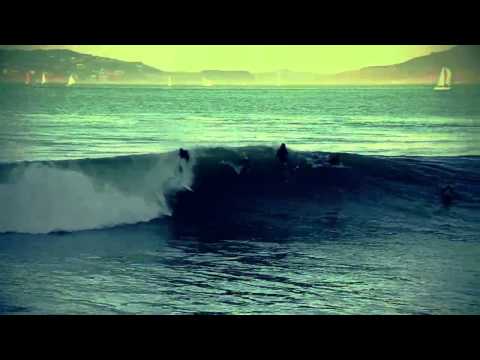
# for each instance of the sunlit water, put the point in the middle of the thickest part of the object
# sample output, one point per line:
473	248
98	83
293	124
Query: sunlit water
58	123
341	251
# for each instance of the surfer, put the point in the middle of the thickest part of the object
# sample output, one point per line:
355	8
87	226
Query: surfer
282	154
185	155
447	195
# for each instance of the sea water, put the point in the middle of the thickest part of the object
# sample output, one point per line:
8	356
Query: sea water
95	217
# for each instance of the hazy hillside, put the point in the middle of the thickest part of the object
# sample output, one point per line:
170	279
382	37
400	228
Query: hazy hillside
59	64
286	77
238	77
463	60
215	77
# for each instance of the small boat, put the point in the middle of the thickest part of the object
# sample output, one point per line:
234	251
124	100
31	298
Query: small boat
444	80
170	81
71	81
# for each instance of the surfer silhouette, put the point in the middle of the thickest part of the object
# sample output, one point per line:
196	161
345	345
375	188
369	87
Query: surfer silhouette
185	155
282	154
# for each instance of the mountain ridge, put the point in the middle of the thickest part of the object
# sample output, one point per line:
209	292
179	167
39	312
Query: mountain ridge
464	60
58	64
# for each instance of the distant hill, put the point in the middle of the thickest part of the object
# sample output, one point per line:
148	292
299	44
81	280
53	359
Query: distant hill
286	77
215	77
463	60
59	64
218	76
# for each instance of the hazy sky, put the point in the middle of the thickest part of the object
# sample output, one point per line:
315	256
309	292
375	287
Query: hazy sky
258	58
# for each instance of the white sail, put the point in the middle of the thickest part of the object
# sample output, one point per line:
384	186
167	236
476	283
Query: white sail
441	78
448	77
71	81
444	79
169	81
44	79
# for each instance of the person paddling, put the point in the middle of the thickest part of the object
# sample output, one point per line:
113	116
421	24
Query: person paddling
282	154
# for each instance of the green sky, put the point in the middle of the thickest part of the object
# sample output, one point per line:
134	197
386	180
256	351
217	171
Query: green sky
323	59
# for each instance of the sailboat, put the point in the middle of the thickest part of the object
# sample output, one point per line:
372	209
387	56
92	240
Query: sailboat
44	79
169	81
444	80
71	81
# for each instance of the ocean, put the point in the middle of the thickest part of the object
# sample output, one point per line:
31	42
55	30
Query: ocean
98	215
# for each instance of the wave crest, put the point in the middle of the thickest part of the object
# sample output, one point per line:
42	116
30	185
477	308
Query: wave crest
71	195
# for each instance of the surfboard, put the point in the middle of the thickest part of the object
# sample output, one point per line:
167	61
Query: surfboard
186	187
237	168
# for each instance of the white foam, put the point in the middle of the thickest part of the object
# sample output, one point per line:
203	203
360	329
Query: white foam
41	198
